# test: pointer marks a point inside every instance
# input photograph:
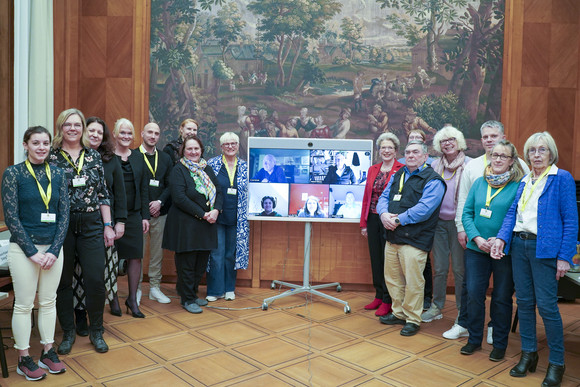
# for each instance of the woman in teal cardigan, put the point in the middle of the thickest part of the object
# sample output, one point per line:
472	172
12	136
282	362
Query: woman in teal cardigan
488	201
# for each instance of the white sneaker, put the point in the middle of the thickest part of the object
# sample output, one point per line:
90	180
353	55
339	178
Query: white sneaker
230	296
433	313
455	332
490	335
213	298
156	294
138	296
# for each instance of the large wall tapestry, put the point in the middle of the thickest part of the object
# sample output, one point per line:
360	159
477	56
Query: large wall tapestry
325	68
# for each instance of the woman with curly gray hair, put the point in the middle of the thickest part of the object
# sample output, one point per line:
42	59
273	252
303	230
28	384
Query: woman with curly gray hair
451	143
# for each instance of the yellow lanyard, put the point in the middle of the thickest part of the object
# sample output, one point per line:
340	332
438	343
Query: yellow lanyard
489	198
153	170
231	173
44	195
530	187
443	175
81	161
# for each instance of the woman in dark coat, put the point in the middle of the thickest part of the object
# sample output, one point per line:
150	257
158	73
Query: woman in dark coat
191	230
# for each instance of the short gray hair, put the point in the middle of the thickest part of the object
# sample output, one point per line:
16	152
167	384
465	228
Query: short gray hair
229	137
534	139
390	137
492	124
415	142
449	132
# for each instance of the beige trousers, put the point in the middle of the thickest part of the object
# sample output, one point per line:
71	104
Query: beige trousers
404	266
27	278
155	237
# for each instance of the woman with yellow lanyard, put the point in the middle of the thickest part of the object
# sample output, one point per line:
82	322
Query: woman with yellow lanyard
488	201
541	227
36	211
90	223
190	230
233	229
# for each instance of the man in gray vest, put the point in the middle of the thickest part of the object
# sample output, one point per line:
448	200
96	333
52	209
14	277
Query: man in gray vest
409	210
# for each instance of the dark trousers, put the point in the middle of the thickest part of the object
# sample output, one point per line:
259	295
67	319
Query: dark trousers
478	269
428	275
84	241
190	267
376	240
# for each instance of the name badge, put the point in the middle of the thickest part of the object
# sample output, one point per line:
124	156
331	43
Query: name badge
79	182
397	198
486	213
153	183
520	218
46	217
232	191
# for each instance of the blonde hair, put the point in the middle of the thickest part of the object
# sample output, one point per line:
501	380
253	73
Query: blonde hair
229	137
120	122
62	117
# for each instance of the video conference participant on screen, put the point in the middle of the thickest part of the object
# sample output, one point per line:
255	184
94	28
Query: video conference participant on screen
268	204
340	173
312	209
350	208
270	173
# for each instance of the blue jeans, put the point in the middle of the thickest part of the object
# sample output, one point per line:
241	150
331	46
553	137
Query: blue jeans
535	281
222	275
478	269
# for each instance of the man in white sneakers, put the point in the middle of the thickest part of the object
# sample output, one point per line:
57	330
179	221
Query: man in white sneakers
159	166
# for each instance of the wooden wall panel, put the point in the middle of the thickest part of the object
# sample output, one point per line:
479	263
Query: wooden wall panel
93	93
103	43
541	86
93	50
119	46
563	70
536	58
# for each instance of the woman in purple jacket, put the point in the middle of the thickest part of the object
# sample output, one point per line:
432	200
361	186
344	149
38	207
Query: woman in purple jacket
541	227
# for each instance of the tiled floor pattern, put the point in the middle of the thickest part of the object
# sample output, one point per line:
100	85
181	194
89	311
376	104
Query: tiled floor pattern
293	343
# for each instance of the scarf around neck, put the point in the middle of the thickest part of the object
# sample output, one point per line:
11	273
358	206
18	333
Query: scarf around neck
203	183
456	166
497	181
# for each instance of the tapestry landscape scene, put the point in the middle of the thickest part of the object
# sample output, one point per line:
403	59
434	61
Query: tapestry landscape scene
325	68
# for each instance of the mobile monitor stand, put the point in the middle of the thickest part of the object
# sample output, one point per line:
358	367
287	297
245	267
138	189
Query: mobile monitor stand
305	287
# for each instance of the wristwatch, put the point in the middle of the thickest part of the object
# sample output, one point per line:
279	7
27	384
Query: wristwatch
110	224
397	221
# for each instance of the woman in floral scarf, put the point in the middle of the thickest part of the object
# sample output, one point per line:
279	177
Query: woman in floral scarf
191	230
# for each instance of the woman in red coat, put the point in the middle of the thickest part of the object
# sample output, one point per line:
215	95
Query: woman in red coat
371	227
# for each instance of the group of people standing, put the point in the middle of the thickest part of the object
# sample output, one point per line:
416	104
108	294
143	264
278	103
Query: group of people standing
84	201
489	215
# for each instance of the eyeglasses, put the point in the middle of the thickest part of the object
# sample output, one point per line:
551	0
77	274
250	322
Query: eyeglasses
230	144
69	125
541	150
447	140
387	148
496	156
416	138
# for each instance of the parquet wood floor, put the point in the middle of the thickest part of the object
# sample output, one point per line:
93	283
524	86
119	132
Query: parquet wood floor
296	342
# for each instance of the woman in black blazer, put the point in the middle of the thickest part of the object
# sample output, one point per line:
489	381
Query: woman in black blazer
191	230
130	246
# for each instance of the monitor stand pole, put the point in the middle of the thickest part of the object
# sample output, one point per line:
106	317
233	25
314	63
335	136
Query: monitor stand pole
305	287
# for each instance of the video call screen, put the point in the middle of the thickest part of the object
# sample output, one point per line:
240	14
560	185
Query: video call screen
307	179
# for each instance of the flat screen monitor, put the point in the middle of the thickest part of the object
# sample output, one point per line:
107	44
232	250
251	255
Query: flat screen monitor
309	180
